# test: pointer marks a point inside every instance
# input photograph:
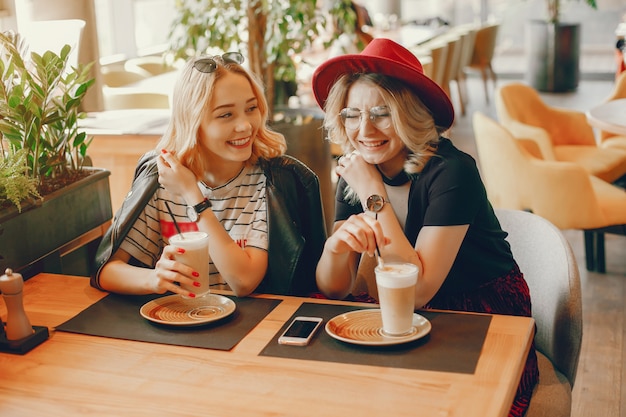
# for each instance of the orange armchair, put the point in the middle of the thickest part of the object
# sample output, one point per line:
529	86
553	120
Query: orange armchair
561	192
560	134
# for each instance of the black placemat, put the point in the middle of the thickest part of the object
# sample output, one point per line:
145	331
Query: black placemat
453	345
117	316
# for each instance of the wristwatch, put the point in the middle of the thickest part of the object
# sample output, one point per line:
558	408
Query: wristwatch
193	212
375	203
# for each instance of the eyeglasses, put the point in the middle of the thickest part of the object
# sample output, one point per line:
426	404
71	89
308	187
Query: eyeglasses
209	64
379	116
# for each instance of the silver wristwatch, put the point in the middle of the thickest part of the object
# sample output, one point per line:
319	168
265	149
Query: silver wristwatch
193	212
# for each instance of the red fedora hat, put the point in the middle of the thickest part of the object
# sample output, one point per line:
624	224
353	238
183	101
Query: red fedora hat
384	56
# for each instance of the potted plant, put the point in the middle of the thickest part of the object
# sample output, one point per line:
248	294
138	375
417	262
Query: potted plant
43	172
272	33
553	50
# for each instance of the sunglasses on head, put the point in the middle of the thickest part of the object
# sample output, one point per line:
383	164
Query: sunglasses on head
209	64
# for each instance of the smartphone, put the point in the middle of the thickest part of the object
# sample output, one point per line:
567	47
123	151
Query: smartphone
300	331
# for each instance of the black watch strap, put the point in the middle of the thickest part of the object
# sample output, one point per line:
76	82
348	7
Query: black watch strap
193	212
203	205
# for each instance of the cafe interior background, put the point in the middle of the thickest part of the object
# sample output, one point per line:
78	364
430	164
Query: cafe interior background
120	30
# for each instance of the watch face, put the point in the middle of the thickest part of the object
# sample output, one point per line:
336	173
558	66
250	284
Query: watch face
375	203
192	214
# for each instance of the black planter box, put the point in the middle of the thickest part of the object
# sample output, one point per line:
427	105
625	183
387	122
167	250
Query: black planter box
42	229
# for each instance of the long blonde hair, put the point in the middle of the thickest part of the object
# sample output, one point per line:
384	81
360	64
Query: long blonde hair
411	119
190	103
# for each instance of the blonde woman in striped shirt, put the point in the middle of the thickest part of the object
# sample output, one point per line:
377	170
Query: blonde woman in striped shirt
219	160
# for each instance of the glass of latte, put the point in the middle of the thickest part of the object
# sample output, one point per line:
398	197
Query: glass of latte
396	295
196	245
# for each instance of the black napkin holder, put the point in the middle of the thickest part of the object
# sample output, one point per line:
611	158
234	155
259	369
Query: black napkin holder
25	344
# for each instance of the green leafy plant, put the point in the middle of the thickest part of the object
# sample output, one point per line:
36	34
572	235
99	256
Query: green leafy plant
270	32
554	9
40	97
15	183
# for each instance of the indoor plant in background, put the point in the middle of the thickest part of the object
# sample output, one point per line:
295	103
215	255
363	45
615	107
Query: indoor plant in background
48	196
270	33
553	50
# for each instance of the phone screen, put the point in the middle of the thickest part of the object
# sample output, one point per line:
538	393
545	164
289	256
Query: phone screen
300	328
300	331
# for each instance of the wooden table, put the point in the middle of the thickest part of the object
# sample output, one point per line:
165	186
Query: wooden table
410	35
609	116
79	375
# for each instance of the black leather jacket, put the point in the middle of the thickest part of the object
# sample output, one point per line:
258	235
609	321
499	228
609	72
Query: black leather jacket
296	226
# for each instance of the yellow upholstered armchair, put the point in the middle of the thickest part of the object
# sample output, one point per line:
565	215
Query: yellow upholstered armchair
561	192
118	76
560	134
118	98
155	65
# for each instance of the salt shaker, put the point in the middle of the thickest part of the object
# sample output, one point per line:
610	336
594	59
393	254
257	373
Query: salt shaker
18	326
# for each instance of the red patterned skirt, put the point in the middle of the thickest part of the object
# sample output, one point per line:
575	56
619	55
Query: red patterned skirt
505	295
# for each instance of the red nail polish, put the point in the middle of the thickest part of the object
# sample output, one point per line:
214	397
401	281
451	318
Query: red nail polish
163	150
192	295
195	274
196	284
180	250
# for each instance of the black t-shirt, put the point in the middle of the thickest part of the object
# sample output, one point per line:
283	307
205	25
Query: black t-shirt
449	191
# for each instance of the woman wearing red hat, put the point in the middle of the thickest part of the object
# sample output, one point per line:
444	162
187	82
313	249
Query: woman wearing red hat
408	190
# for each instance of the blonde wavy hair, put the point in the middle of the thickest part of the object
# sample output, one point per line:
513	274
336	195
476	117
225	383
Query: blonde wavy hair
192	94
411	119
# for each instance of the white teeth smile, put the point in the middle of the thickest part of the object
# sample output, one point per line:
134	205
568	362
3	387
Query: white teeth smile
373	144
239	142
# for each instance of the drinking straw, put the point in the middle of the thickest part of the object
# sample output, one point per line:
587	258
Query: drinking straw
379	258
381	264
174	219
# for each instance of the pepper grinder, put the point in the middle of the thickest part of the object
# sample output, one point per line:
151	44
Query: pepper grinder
18	326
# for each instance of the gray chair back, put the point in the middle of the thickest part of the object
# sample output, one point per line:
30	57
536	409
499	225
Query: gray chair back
551	271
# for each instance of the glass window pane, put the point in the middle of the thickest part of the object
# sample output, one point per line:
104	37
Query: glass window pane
152	23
